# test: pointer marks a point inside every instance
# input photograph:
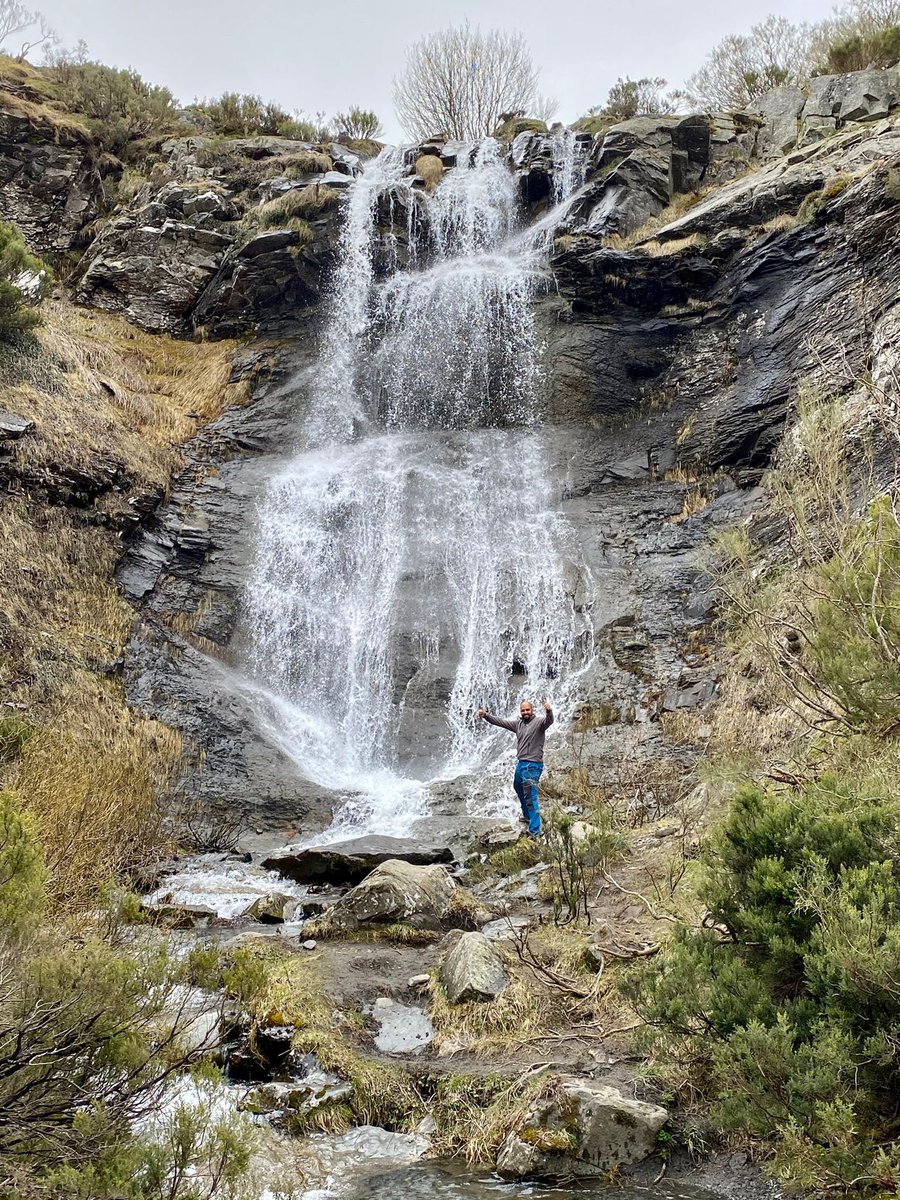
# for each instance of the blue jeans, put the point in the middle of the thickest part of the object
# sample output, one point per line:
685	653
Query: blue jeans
525	782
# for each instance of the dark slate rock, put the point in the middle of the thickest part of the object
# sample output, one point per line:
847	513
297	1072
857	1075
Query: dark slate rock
350	862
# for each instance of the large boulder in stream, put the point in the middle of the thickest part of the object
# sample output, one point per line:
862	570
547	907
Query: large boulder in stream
400	893
583	1130
349	862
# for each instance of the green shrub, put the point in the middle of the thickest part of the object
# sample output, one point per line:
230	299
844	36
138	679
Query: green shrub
233	114
24	281
854	630
880	48
120	106
22	872
359	123
15	731
787	1003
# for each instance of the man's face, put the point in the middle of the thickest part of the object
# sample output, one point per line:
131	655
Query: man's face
526	710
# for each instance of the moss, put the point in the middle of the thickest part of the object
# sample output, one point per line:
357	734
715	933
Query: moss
593	124
549	1141
516	125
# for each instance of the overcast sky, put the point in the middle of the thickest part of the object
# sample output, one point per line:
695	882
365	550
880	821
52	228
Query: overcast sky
330	54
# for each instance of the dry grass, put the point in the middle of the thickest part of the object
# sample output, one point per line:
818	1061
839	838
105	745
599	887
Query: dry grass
300	162
781	224
110	406
677	207
695	500
298	203
522	1011
105	396
657	249
28	92
430	168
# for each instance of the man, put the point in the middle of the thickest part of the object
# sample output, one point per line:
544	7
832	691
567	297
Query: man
529	731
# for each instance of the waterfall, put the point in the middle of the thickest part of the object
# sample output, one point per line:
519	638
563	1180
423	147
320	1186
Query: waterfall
410	564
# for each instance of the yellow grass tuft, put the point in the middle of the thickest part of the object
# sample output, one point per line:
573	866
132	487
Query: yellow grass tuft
431	169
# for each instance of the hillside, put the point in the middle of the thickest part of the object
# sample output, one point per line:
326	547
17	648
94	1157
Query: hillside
687	364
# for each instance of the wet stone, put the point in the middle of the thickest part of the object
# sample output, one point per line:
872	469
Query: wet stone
402	1029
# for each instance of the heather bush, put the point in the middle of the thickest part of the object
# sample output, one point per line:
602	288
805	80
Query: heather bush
786	1004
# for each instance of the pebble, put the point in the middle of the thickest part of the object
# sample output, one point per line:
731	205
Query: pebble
417	981
384	1002
310	945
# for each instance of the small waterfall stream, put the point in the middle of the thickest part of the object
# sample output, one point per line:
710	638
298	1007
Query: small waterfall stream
411	561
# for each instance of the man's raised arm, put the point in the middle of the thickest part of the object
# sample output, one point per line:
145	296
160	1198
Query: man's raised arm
498	721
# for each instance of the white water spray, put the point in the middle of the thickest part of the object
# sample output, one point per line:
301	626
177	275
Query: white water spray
410	562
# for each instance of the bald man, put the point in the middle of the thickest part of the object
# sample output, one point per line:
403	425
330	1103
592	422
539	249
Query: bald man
529	730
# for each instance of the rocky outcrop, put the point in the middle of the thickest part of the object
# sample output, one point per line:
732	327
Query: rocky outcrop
473	970
201	248
50	175
153	261
400	893
797	118
343	863
585	1130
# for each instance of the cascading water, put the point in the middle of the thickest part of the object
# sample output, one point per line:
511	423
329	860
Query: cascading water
410	563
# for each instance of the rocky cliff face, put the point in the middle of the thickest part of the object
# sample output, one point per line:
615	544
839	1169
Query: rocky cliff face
708	265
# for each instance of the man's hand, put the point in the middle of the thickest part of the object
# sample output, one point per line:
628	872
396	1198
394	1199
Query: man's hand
482	712
547	705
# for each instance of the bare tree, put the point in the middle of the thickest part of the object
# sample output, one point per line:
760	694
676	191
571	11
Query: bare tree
16	18
742	67
458	81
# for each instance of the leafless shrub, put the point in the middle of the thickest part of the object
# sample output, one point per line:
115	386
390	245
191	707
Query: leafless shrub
459	81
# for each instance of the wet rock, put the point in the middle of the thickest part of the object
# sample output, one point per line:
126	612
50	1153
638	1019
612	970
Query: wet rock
402	1029
313	1090
586	1131
343	863
269	909
265	1050
473	970
400	892
12	426
180	916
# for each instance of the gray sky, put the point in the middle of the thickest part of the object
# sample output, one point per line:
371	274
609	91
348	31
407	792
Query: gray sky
331	54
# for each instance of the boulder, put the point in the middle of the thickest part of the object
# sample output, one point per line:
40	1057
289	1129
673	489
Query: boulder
473	970
272	278
150	269
400	892
346	863
780	111
12	426
584	1130
269	909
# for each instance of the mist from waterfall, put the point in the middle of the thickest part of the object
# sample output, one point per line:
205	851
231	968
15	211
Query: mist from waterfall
410	557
